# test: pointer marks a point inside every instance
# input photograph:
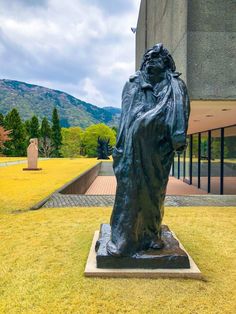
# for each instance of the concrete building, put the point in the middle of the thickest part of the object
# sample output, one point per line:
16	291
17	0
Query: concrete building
200	35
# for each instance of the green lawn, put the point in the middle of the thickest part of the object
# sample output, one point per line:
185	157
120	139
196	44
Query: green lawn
43	254
20	190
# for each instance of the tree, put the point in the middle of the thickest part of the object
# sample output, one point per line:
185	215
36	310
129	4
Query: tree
104	149
45	129
71	141
27	127
91	134
45	143
1	119
115	129
34	127
4	137
45	147
17	145
56	134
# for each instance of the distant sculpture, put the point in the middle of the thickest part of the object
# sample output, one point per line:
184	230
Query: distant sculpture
32	155
154	120
104	149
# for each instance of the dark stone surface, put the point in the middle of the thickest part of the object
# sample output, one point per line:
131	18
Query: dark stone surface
171	256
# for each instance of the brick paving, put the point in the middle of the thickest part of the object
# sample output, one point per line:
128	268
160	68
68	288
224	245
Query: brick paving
103	185
106	185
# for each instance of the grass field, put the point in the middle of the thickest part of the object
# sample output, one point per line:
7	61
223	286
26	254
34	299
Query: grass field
20	189
43	255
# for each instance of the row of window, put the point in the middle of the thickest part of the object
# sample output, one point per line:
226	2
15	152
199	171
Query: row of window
209	162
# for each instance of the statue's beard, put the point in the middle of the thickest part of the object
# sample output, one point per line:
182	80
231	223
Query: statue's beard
153	70
154	74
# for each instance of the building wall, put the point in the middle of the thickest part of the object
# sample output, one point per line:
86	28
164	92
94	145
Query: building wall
211	49
167	23
141	34
200	34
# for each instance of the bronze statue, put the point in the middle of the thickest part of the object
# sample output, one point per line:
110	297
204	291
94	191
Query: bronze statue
153	126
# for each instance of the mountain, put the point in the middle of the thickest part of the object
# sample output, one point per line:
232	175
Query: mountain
113	110
36	100
116	112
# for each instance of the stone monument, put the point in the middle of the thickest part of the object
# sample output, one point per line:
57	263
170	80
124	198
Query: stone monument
32	155
153	126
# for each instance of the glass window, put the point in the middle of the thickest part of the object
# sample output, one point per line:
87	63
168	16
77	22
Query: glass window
181	165
176	165
187	161
204	160
195	160
215	160
230	160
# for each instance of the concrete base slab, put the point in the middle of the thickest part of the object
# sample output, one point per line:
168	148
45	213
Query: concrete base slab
91	269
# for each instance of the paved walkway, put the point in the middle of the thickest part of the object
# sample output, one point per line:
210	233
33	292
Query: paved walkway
16	162
102	193
11	163
103	185
62	200
106	185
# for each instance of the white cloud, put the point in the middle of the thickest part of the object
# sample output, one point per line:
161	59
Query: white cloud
82	47
90	93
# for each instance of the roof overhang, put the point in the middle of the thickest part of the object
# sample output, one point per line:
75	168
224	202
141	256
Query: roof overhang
211	114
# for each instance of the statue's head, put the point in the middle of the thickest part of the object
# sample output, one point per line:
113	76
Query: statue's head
34	141
157	60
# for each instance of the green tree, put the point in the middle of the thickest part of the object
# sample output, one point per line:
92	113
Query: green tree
17	145
45	129
91	134
104	149
45	142
34	127
71	141
1	119
27	127
56	133
115	129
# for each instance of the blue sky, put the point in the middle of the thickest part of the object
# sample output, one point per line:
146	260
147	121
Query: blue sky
82	47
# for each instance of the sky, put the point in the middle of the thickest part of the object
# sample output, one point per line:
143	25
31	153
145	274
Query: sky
83	47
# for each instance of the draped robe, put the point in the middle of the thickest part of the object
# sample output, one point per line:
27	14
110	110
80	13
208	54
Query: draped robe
153	126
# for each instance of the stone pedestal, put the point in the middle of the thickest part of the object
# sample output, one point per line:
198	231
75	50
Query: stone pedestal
91	269
171	256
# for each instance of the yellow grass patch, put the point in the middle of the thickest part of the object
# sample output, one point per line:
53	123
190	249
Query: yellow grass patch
22	189
43	255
